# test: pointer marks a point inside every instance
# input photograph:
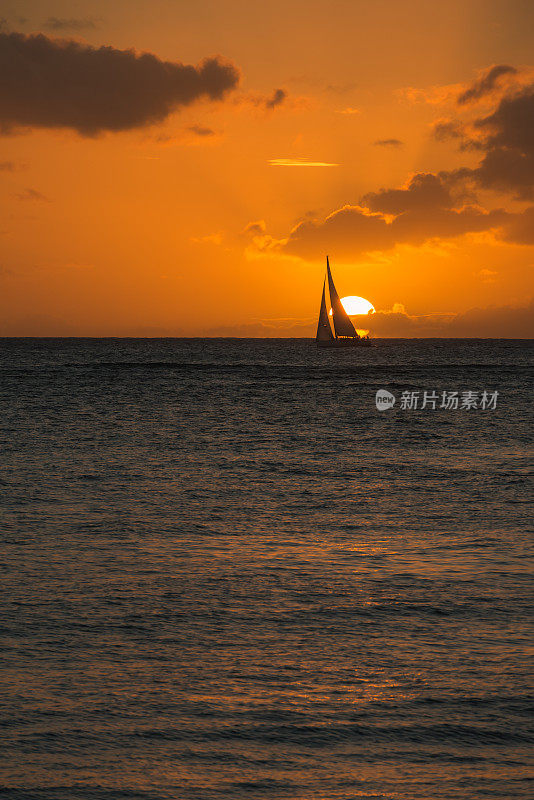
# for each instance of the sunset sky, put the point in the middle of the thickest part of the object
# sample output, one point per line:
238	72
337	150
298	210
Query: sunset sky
142	197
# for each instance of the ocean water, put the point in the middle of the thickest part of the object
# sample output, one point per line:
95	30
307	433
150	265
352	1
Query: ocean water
226	574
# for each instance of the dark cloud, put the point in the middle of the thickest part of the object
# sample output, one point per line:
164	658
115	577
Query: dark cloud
352	230
276	99
388	143
199	130
520	228
70	24
506	137
262	101
505	321
7	166
64	84
33	194
424	191
512	123
445	129
425	210
504	170
486	83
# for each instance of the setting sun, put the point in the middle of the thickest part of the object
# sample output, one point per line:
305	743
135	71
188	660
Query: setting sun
354	305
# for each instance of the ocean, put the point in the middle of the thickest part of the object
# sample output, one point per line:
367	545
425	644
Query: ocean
227	574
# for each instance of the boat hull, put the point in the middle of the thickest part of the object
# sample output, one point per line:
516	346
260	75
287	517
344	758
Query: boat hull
336	343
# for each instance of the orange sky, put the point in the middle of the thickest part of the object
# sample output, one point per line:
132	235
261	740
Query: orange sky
116	224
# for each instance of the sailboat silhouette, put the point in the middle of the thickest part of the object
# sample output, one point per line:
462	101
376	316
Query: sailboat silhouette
344	333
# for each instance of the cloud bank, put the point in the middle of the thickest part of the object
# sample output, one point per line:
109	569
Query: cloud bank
49	83
444	205
422	211
506	138
484	323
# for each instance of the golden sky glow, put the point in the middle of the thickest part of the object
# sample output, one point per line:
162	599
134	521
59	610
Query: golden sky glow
162	213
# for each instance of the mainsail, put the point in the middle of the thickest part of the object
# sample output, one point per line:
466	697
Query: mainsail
324	331
342	324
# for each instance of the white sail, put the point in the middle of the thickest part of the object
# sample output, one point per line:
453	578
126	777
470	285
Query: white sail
342	324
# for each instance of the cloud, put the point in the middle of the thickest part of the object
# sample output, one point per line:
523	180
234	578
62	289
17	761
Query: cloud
425	190
199	130
70	23
433	207
276	99
418	214
299	162
520	228
493	322
256	228
505	136
434	96
388	143
7	166
267	329
353	230
33	194
491	83
340	88
511	123
50	83
445	129
349	111
267	102
429	207
485	83
211	238
496	322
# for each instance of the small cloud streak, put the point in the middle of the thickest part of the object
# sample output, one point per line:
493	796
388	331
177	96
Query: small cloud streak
211	238
349	111
277	98
388	143
33	195
199	130
265	102
299	162
70	23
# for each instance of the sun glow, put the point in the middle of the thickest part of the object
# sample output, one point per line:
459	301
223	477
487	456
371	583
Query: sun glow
354	305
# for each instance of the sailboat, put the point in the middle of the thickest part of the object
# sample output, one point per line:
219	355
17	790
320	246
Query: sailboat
344	334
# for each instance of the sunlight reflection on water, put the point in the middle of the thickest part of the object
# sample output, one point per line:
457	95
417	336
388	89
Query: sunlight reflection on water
228	575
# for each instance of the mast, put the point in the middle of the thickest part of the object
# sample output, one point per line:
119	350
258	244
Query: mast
342	324
324	331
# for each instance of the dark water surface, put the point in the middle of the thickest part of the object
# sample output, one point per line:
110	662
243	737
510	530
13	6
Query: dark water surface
227	575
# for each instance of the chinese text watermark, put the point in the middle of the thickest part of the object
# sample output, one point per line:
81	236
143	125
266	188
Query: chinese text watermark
448	400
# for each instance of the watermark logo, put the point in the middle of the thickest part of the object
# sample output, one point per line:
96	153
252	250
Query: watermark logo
384	399
449	401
